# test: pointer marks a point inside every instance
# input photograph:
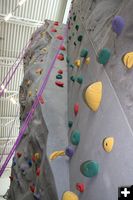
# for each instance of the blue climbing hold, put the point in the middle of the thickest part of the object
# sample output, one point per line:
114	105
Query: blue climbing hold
69	151
118	24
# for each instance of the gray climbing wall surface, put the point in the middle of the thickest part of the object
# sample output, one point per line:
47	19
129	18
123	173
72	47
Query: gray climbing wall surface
114	115
32	177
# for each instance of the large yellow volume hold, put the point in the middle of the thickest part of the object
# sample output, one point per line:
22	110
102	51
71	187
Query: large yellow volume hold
93	95
108	144
128	60
69	196
56	154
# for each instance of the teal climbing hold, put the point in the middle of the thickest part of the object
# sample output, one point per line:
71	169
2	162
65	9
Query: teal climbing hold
74	18
67	59
77	27
80	79
89	168
59	76
84	53
72	78
104	56
75	137
70	123
80	38
72	66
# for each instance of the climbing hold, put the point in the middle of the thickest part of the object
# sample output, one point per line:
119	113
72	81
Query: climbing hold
39	71
76	108
59	83
53	30
56	23
108	144
41	100
84	53
69	151
87	60
104	56
60	71
75	43
33	158
62	47
70	123
73	34
32	188
80	187
72	78
29	93
56	154
118	24
77	27
19	154
67	59
28	82
30	163
89	168
128	60
80	79
37	156
60	37
69	196
80	38
37	196
60	57
93	95
77	63
75	137
11	178
59	76
38	171
72	66
74	18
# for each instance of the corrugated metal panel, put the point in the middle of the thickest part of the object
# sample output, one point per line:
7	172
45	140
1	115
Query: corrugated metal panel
36	9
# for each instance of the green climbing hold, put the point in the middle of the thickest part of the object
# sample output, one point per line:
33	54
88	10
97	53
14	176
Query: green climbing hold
80	38
84	53
69	37
75	43
80	79
77	27
59	76
89	168
72	78
70	123
73	34
74	18
104	56
67	59
75	137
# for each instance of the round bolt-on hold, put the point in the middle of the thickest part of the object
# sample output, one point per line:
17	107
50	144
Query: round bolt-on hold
80	79
69	151
70	123
59	76
75	137
84	53
89	168
104	56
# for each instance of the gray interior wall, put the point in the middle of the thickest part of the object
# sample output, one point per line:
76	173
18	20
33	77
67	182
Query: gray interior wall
114	117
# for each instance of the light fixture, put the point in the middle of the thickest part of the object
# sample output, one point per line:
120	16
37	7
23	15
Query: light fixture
13	100
8	17
21	2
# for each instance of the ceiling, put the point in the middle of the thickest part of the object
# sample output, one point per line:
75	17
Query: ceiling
14	34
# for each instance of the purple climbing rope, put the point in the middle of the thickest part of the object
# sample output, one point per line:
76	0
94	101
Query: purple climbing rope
35	104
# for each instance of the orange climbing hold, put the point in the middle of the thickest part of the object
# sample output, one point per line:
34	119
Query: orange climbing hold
59	83
60	37
76	108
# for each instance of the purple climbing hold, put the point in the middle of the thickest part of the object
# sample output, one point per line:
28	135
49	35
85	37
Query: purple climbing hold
37	196
118	24
69	151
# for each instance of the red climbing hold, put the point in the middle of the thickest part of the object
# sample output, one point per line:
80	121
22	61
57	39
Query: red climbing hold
60	37
38	171
62	47
32	188
60	57
56	23
80	187
60	71
53	30
41	100
19	154
33	158
76	108
59	83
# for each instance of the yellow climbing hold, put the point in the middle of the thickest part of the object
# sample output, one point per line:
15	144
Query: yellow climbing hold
128	60
37	156
56	154
93	95
77	63
108	144
87	60
44	50
69	196
39	71
30	93
42	34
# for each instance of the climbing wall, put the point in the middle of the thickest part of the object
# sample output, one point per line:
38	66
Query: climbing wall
32	176
100	62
